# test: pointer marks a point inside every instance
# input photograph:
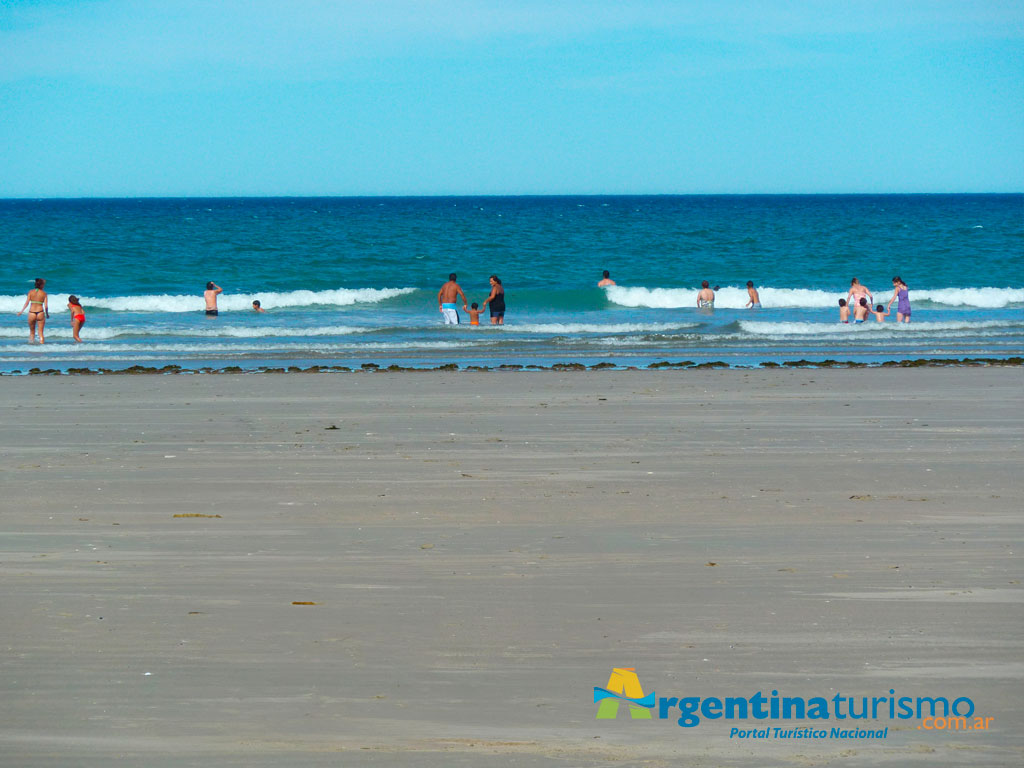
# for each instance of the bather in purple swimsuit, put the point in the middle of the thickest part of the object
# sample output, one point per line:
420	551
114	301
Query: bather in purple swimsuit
903	302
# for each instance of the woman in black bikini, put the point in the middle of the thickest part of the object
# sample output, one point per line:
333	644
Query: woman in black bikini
497	301
39	312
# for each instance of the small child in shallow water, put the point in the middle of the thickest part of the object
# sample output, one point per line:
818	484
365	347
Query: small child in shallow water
860	311
474	314
844	312
77	317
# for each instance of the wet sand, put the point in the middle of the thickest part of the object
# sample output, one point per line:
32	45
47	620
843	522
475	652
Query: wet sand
478	551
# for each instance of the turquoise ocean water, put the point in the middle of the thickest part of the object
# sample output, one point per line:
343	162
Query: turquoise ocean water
354	280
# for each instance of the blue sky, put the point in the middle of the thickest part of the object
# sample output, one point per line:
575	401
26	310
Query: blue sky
309	97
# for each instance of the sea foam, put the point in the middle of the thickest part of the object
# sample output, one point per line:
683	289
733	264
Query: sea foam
565	328
870	326
989	298
729	297
165	302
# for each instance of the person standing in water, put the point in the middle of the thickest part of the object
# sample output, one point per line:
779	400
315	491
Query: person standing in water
858	292
40	310
706	296
446	303
497	301
210	294
755	298
77	317
606	280
901	295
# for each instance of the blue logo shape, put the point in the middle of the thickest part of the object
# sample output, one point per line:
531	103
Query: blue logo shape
603	693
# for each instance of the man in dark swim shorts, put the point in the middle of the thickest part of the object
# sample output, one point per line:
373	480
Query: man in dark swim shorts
210	294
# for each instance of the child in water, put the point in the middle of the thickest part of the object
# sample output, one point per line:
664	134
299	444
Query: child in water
844	312
860	311
77	317
880	313
474	314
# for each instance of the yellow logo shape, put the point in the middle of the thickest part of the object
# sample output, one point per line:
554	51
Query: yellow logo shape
626	685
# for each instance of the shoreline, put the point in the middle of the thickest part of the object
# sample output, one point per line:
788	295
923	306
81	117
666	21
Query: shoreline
135	370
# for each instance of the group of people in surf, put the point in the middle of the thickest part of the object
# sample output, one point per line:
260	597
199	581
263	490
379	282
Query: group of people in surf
856	307
38	305
859	300
447	302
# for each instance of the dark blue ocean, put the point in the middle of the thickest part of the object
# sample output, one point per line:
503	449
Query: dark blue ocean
348	281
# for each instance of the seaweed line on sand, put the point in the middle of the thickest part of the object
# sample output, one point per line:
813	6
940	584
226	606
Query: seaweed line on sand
140	370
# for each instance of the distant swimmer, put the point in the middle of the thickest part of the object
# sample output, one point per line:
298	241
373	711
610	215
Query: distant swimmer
40	310
844	311
606	280
210	294
706	296
496	300
446	297
900	295
77	316
257	307
858	292
755	299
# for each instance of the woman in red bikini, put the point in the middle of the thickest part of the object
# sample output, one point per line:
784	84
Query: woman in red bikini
77	316
39	312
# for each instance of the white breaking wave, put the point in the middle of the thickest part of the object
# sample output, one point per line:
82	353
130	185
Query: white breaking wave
729	297
990	298
97	332
871	326
165	302
559	328
243	332
57	332
48	351
658	298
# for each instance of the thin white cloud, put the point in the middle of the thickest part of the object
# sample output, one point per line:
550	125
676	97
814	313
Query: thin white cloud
114	40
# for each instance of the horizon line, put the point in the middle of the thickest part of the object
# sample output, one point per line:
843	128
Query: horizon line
466	195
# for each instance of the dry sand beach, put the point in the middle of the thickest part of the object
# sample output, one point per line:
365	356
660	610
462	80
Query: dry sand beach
435	569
